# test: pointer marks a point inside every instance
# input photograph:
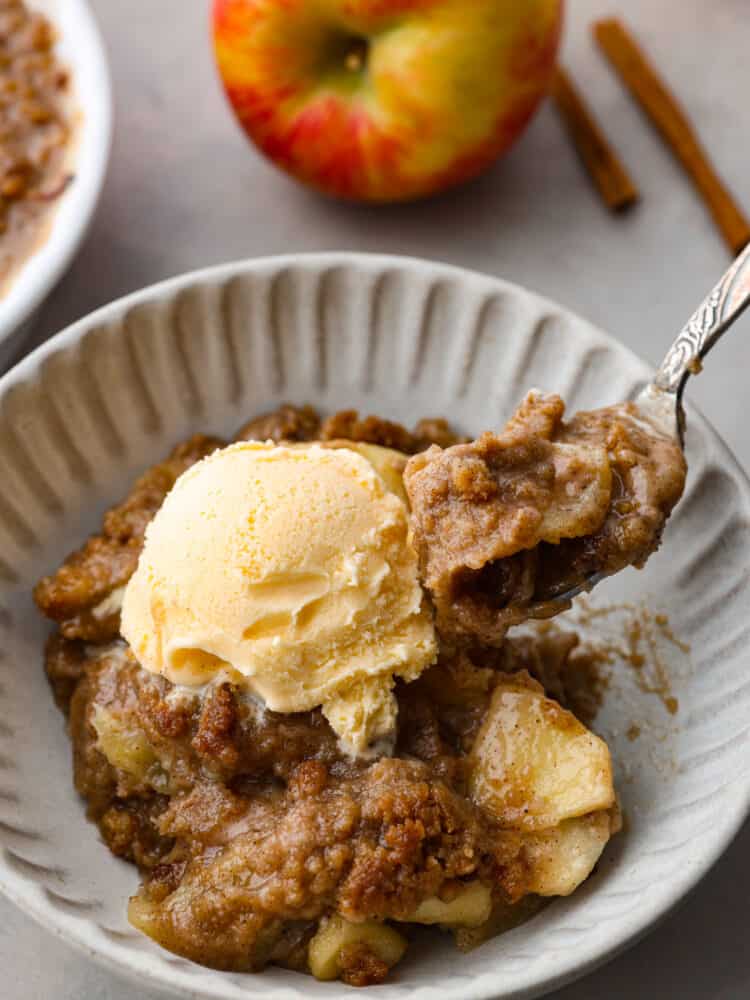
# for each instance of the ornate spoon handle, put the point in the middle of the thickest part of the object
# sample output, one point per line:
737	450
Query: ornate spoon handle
704	328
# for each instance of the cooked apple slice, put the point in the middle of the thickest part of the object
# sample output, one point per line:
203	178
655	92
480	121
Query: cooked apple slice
580	497
534	764
337	933
470	908
561	858
125	747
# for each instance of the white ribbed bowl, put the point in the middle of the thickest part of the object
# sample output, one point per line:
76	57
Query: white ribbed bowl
402	338
81	49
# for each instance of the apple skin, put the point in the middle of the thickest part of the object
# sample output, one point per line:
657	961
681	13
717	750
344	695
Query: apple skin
385	100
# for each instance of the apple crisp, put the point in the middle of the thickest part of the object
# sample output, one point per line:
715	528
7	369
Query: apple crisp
34	129
509	524
258	837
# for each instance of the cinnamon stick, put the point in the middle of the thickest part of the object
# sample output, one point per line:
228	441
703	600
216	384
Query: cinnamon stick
673	125
600	159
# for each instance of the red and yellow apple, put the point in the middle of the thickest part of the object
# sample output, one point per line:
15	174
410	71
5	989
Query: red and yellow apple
385	100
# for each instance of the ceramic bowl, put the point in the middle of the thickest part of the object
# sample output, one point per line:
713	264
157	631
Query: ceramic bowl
81	49
402	338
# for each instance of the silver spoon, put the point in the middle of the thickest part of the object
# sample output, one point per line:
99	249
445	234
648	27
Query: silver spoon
661	400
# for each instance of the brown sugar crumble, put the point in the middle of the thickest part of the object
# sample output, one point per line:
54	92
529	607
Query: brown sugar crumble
639	643
643	654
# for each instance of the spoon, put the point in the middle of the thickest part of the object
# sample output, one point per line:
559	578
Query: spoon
661	400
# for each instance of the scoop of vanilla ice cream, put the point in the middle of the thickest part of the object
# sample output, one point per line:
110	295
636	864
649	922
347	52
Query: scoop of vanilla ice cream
288	571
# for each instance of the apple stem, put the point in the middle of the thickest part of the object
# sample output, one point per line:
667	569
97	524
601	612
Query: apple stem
356	57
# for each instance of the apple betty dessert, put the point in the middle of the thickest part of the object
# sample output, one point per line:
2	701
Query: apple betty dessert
292	696
34	130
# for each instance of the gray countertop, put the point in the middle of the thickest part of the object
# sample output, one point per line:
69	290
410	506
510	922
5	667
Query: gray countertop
184	190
